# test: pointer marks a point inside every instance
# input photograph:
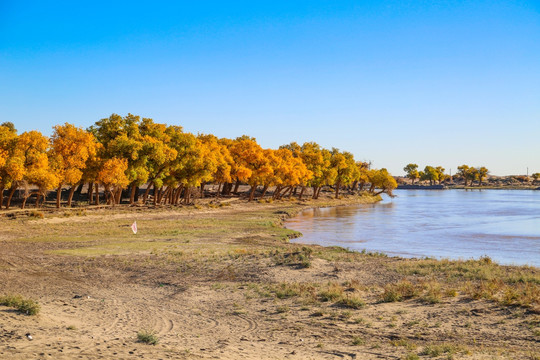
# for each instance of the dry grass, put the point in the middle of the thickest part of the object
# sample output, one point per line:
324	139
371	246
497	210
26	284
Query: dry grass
21	304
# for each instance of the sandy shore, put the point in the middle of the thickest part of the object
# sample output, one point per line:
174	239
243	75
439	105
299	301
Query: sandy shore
221	281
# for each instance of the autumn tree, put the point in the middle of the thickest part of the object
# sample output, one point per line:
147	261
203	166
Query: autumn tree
412	171
481	173
221	159
345	167
32	146
383	181
441	176
252	164
113	177
71	147
11	162
536	176
431	174
362	175
121	138
317	161
467	173
289	171
192	166
156	154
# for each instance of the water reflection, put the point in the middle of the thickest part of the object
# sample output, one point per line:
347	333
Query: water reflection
504	225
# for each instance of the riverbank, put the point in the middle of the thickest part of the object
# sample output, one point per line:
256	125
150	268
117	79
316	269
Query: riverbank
221	280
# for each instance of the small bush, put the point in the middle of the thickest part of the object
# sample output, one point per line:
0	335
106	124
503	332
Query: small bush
147	337
25	306
352	302
411	356
399	291
357	341
433	294
438	350
333	292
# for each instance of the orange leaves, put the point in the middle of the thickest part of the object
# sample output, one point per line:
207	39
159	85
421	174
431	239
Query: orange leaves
126	150
32	149
71	147
113	173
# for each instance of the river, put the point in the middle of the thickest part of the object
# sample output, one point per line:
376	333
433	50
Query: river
455	224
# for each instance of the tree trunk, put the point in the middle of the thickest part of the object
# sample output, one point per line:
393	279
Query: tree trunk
314	196
265	189
252	192
38	196
118	195
156	190
301	192
97	194
90	192
1	197
202	190
24	201
218	190
10	195
58	196
292	192
70	197
236	186
146	192
79	190
132	194
338	184
276	192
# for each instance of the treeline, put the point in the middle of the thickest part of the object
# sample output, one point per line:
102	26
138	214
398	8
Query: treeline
124	153
435	174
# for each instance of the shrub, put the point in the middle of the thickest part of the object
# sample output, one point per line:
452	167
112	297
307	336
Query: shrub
147	337
352	302
399	291
25	306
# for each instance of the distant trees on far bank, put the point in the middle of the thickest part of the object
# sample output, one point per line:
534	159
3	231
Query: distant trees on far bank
119	154
437	175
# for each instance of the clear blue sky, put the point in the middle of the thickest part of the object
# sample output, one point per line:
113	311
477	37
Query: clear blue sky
430	82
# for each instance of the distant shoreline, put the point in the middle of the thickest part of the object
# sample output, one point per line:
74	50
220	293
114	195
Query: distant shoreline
461	187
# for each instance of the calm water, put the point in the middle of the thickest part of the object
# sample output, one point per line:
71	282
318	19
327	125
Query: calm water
502	224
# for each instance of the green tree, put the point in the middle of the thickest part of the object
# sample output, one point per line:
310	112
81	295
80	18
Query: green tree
412	171
121	139
481	174
431	174
441	176
382	180
467	173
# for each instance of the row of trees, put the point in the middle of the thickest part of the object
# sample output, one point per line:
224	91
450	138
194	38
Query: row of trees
435	174
432	173
471	174
119	153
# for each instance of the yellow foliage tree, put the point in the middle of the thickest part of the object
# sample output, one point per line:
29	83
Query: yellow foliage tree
113	177
11	165
32	146
71	147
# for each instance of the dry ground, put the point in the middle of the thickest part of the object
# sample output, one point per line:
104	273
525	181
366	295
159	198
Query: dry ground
223	282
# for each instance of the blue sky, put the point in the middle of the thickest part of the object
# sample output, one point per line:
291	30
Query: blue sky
430	82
